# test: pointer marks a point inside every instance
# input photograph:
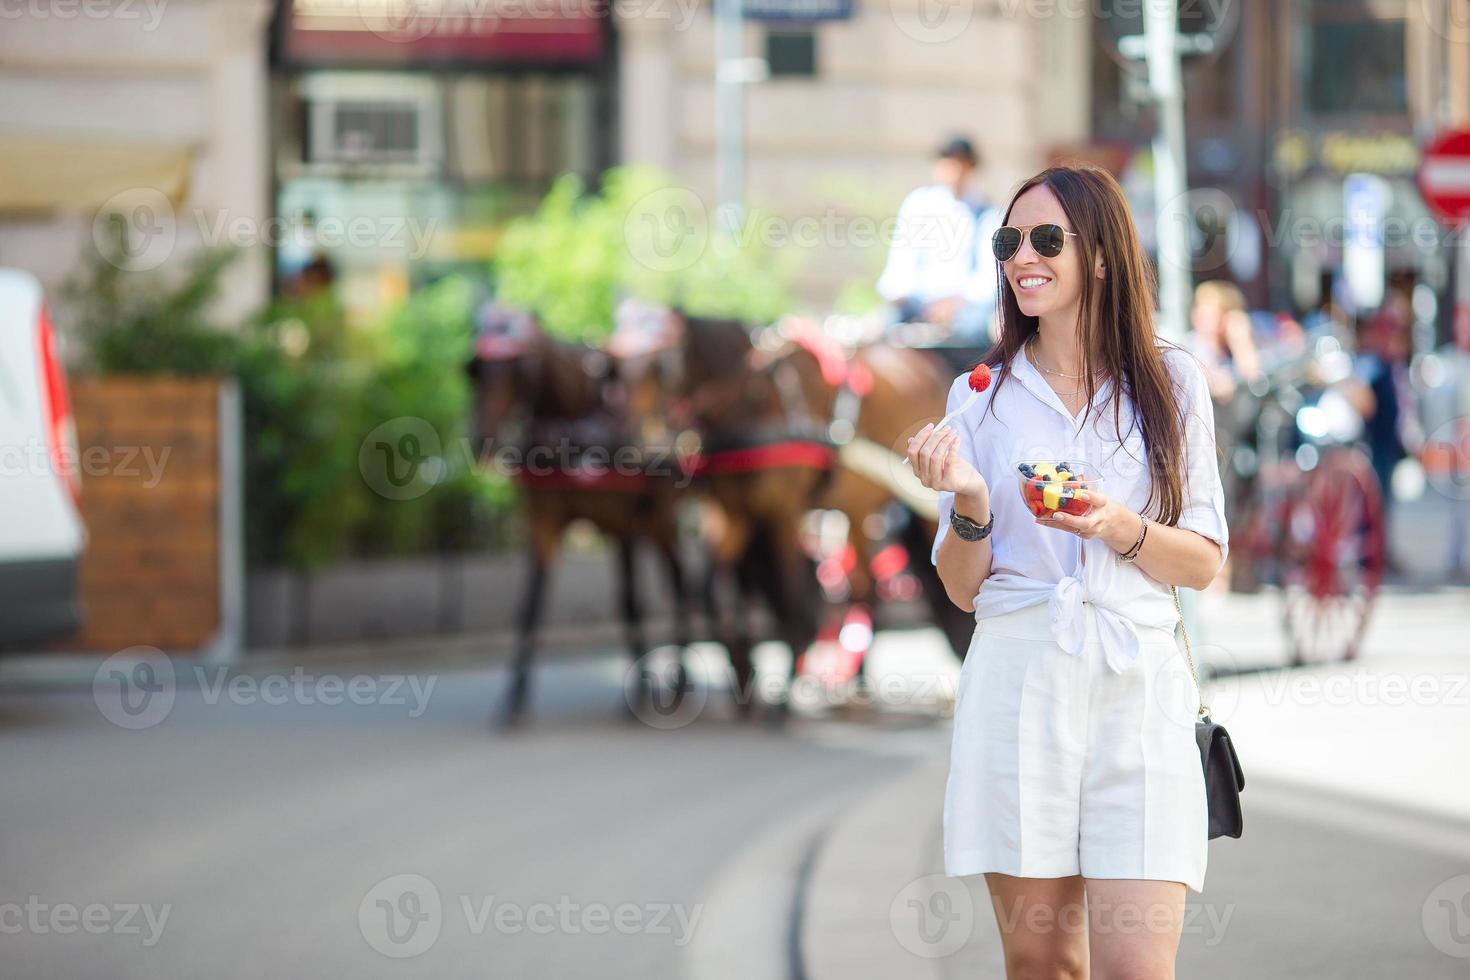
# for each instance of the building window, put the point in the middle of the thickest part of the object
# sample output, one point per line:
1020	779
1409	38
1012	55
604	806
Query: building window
1356	63
792	53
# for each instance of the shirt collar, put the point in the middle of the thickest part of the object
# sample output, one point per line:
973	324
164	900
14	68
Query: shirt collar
1030	377
946	193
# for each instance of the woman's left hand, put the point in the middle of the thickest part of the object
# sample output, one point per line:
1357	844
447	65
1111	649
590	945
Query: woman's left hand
1106	519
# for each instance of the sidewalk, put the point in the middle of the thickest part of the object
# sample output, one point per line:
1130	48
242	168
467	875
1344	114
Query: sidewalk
1392	726
1375	747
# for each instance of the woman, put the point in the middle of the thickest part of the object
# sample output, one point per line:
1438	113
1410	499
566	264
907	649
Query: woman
1220	337
1074	769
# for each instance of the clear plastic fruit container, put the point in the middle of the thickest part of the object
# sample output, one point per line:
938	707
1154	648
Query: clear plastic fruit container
1050	485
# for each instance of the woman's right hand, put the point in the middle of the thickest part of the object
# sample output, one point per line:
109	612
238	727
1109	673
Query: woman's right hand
936	461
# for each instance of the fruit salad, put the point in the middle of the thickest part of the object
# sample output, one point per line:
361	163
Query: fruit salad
1050	485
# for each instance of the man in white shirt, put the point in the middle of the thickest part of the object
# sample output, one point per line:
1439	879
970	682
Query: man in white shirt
939	267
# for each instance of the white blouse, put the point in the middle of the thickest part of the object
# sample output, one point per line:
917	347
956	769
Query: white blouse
1033	564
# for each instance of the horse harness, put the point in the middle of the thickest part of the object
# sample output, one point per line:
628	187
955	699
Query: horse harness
802	439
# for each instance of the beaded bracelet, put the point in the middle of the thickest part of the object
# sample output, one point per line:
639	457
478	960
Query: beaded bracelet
1132	552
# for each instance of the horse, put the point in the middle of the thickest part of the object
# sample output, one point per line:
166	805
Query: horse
795	391
764	459
570	398
874	396
756	457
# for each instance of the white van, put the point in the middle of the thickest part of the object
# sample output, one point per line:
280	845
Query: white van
41	532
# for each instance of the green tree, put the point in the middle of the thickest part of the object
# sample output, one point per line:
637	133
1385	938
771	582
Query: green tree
154	321
641	234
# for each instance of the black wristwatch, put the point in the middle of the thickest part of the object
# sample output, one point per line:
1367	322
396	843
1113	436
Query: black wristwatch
967	528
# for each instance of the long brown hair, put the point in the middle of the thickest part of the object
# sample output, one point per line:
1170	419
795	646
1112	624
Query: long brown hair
1116	325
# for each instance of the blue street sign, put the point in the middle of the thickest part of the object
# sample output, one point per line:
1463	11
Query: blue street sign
798	10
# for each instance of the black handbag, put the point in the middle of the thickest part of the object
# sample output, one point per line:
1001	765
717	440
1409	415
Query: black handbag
1224	779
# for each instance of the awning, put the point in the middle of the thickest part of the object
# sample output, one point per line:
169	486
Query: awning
45	174
484	32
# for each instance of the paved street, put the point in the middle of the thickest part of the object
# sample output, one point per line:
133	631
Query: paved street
351	823
262	829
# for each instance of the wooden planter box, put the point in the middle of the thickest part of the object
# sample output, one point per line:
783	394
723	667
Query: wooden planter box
160	502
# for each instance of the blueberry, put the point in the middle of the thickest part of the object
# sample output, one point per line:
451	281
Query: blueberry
1027	470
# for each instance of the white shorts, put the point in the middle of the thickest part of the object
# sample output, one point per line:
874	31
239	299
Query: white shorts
1060	767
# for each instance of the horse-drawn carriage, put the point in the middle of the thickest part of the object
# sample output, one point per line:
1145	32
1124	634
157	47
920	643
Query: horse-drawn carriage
755	429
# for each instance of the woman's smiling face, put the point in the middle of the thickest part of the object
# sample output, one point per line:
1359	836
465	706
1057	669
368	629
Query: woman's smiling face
1043	286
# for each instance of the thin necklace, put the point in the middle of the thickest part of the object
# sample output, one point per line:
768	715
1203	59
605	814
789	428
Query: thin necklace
1070	377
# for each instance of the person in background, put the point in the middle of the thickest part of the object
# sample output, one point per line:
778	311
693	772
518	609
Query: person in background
939	268
305	267
1456	354
1288	341
1330	318
1220	336
1383	393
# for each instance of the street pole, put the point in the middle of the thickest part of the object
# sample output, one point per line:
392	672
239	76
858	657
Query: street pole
729	106
1460	428
1171	182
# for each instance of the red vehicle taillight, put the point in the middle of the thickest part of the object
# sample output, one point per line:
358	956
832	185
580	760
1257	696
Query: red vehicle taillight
61	432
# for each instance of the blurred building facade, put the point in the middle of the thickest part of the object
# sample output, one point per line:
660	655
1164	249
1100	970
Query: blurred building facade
855	105
154	110
394	139
1300	104
428	129
462	121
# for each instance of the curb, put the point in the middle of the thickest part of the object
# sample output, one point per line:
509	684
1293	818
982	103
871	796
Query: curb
855	922
752	904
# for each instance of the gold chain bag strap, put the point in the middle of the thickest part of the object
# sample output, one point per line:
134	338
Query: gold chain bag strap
1224	779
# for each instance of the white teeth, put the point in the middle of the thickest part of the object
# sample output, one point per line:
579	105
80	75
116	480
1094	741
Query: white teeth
1031	282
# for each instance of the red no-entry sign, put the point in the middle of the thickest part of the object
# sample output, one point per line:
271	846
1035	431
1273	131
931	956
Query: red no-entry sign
1444	176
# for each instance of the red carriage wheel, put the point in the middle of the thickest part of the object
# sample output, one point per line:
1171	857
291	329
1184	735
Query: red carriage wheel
1332	558
1252	545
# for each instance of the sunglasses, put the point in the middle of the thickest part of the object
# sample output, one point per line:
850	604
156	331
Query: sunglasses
1047	239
